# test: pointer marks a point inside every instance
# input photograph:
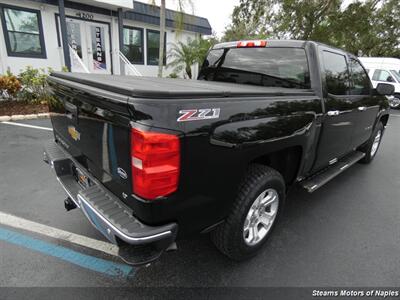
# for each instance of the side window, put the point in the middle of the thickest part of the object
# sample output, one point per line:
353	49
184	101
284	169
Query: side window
360	80
382	75
336	73
396	75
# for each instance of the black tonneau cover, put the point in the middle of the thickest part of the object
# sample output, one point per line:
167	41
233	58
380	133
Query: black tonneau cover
153	87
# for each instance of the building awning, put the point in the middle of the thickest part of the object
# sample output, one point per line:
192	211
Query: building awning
141	12
147	13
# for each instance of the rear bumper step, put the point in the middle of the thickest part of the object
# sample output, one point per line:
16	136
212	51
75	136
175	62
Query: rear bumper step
315	182
108	213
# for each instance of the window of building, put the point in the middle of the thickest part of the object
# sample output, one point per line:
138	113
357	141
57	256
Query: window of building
153	46
336	73
23	32
360	80
133	45
382	75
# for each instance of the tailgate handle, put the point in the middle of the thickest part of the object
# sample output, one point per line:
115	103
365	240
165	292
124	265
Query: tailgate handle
71	110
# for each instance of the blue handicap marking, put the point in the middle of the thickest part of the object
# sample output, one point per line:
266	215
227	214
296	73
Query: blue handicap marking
85	261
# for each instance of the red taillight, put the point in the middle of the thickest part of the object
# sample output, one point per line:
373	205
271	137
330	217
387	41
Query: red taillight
250	44
155	163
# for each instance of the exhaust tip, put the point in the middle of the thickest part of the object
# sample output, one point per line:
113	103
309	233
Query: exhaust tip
69	204
45	158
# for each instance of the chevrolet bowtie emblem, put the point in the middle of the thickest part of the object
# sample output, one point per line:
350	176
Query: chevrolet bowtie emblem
74	133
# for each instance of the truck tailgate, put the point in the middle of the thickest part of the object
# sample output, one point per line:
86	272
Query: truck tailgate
94	129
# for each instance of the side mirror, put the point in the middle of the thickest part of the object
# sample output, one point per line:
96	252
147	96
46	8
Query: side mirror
385	89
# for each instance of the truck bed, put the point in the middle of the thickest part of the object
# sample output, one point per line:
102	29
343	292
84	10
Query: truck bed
171	88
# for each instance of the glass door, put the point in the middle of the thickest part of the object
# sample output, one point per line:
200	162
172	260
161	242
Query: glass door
98	48
77	44
89	44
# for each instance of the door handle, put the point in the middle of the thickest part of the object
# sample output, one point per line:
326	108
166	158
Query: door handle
333	113
362	108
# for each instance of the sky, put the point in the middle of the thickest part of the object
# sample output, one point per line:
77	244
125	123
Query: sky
218	12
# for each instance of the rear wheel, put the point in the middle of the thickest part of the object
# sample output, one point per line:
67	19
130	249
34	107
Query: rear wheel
255	212
372	146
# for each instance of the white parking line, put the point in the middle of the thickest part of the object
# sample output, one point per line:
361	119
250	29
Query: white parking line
27	125
17	222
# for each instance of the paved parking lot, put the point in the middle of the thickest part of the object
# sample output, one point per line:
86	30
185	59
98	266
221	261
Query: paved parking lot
345	234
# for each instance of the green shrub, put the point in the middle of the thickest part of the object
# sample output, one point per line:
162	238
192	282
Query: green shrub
173	75
34	86
9	86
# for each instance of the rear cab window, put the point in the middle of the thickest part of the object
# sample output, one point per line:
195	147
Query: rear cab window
274	66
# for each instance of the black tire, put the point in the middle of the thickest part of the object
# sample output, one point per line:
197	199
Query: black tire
229	236
368	146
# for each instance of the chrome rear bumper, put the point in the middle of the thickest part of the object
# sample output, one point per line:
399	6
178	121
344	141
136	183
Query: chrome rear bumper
106	212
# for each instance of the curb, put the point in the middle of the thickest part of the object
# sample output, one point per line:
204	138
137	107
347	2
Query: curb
24	117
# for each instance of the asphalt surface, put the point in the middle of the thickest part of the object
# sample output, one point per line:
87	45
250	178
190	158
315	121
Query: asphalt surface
345	234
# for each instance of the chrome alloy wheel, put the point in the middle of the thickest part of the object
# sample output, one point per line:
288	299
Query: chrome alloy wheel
261	217
394	101
376	142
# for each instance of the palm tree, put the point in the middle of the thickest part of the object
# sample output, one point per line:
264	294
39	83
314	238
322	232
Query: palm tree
184	56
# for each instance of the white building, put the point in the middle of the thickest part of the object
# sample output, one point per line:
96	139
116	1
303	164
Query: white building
87	35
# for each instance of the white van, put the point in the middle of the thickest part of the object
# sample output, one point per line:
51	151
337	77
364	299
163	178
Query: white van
387	70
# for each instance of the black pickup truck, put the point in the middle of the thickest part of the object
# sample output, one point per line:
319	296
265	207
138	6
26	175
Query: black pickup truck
153	160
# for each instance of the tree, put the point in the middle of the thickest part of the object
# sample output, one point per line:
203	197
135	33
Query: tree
250	20
162	37
202	46
371	27
310	19
185	55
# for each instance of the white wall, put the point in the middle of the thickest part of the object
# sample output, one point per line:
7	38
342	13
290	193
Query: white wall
55	58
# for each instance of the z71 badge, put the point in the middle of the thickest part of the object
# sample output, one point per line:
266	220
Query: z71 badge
198	114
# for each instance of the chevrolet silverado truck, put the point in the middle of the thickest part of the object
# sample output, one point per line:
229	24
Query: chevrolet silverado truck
151	161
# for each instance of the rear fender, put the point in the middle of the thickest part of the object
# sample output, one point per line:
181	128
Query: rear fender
257	138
